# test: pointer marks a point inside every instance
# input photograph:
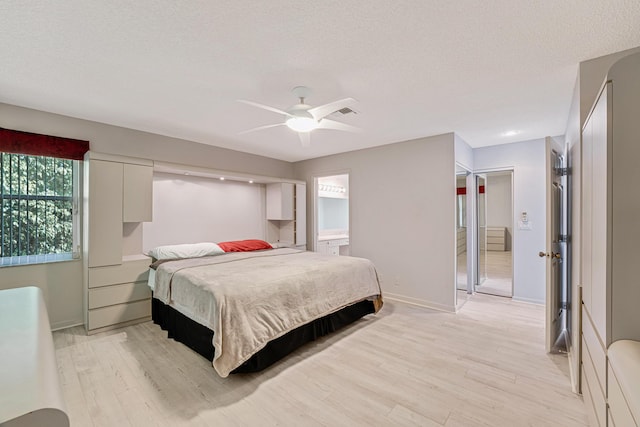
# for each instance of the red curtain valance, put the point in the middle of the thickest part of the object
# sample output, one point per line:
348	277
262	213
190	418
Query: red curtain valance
463	190
34	144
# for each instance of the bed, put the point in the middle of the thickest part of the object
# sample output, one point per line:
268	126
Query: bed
246	310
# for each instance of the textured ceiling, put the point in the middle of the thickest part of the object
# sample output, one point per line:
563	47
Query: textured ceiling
417	68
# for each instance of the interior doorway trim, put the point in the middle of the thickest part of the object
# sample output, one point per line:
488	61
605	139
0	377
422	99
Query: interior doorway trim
314	204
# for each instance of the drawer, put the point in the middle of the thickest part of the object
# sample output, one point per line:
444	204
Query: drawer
495	232
495	246
618	407
596	392
589	402
114	314
127	272
341	242
118	294
498	240
596	349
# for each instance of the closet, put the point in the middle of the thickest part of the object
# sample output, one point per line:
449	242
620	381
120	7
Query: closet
610	230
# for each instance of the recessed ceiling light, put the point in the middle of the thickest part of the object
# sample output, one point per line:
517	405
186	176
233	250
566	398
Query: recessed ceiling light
250	182
511	133
222	178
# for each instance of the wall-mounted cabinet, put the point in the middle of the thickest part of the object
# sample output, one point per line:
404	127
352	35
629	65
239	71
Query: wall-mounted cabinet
280	201
137	187
287	214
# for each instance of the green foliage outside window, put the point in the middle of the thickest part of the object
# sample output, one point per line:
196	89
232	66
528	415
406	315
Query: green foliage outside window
37	200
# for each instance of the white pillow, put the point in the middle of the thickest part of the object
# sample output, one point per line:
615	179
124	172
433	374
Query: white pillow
189	250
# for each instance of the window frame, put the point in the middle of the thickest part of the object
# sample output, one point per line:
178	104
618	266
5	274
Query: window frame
76	219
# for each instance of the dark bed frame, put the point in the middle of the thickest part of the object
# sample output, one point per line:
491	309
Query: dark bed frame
199	338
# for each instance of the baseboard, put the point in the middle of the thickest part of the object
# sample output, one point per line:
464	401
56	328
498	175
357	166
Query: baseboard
528	300
65	325
420	302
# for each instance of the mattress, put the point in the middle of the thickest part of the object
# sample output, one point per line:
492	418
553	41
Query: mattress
251	298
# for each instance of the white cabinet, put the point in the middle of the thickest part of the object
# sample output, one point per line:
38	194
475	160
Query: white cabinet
332	246
287	214
280	201
610	229
137	188
301	215
116	190
118	295
104	213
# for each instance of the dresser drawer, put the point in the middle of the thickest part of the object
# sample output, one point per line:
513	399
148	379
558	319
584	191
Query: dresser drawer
595	390
595	348
496	232
118	294
618	407
114	314
593	403
127	272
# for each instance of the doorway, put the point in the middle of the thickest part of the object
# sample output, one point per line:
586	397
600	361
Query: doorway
331	233
494	216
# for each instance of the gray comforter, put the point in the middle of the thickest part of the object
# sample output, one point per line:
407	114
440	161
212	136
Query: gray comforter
251	298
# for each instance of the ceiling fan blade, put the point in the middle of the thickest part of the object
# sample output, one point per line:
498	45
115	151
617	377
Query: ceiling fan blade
305	138
332	124
264	107
326	109
260	128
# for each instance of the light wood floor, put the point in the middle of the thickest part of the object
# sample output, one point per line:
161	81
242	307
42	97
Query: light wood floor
499	279
484	366
499	274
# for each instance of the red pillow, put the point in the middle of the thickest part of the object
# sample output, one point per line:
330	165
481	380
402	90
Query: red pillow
244	245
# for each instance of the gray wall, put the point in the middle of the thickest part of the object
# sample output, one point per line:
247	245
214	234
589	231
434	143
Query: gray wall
62	282
402	214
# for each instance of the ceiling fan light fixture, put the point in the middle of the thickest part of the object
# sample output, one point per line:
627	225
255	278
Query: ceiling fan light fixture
302	124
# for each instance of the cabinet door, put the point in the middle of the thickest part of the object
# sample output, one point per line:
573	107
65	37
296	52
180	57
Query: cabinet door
600	230
301	214
586	202
280	201
137	193
105	213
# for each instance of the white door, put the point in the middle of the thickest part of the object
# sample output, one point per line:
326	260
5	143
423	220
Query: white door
555	252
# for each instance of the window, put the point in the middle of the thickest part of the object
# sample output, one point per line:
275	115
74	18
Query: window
37	216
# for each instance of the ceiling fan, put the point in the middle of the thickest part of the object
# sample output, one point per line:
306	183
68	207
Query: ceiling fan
303	118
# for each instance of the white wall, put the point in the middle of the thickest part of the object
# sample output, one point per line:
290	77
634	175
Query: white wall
62	282
527	159
463	153
189	209
402	214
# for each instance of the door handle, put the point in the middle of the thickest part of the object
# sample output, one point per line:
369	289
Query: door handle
556	255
